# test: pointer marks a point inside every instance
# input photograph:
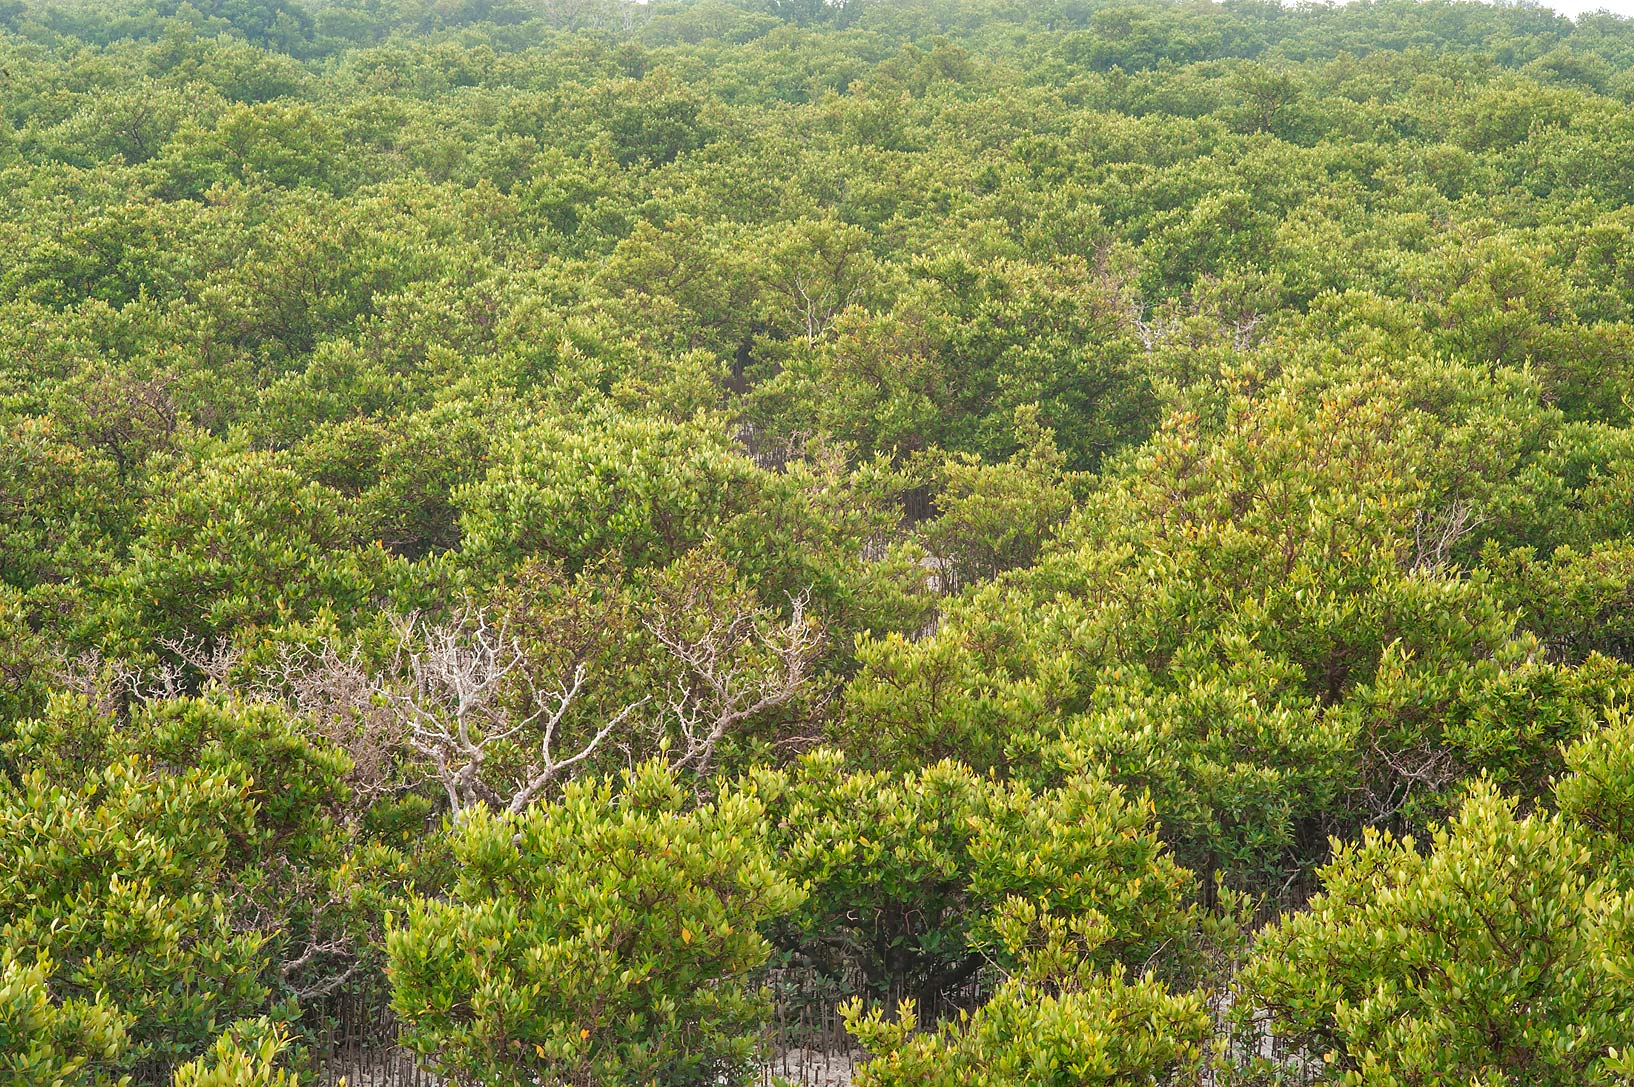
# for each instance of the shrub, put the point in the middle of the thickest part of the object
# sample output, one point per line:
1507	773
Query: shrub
601	939
1496	958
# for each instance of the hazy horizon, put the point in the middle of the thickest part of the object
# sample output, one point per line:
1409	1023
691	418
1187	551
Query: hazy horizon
1575	8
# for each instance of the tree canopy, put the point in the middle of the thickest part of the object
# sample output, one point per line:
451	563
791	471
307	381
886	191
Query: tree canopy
1087	539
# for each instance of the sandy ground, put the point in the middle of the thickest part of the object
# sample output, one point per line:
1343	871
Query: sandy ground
812	1068
803	1067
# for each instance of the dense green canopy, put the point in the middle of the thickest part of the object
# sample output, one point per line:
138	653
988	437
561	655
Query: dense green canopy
1095	536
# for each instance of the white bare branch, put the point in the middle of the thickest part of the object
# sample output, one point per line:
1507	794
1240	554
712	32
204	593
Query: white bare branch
460	688
214	660
1435	533
719	687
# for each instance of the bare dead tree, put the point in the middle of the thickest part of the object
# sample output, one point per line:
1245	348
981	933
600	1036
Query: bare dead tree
1154	333
1398	773
328	954
213	660
462	702
1435	533
818	300
334	693
340	953
734	668
448	691
1156	327
1242	331
114	684
91	676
